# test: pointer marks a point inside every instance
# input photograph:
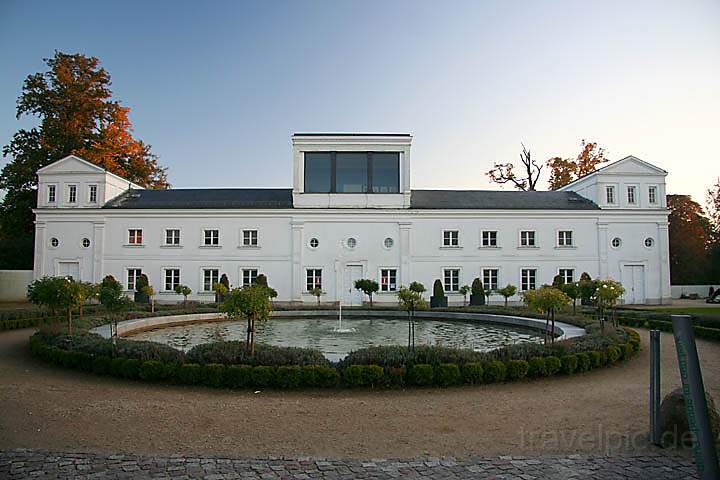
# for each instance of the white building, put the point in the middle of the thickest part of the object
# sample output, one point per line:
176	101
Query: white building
351	214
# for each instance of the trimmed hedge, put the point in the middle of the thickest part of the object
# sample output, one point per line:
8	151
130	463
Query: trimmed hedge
154	364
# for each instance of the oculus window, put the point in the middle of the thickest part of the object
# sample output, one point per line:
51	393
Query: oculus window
352	172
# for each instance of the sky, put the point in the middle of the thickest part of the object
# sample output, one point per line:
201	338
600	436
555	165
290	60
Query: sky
217	88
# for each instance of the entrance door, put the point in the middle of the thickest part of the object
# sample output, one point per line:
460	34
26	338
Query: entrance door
634	283
352	296
69	269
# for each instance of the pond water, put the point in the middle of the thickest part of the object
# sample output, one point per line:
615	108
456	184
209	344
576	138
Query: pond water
320	333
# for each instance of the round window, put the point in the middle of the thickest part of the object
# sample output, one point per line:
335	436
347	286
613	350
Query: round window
649	242
351	242
54	242
388	242
86	242
616	242
314	242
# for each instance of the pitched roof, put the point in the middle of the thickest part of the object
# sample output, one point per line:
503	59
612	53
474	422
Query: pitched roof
220	198
609	166
204	198
499	200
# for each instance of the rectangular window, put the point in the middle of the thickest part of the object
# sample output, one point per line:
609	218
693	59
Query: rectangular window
352	172
567	275
211	238
249	276
51	193
172	236
527	279
132	275
313	279
527	238
652	195
92	193
490	278
72	193
385	172
489	238
452	279
211	276
172	279
250	238
610	194
388	280
565	238
451	238
631	197
135	236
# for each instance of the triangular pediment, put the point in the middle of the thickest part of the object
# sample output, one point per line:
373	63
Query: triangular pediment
71	164
632	165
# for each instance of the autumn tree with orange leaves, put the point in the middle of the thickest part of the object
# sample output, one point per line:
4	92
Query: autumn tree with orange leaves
77	116
690	238
566	170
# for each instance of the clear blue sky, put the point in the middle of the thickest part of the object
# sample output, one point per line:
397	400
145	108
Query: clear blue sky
218	88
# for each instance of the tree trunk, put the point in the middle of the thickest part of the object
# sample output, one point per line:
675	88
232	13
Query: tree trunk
547	325
370	300
69	320
80	311
506	302
574	305
409	329
247	335
552	329
252	338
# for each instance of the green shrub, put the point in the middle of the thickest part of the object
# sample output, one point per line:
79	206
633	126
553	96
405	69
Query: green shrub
421	374
288	376
190	374
583	362
553	365
613	354
353	375
537	367
170	372
627	351
372	375
472	373
116	367
152	370
517	369
568	364
212	374
236	353
447	374
84	361
263	376
494	371
101	365
395	376
237	376
603	357
131	368
308	376
327	377
595	359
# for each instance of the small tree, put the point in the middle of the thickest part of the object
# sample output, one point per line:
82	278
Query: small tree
221	291
507	291
586	288
140	288
46	292
183	290
112	297
606	296
149	292
417	287
368	287
317	292
252	303
546	300
411	300
477	293
558	281
572	290
486	293
86	291
464	290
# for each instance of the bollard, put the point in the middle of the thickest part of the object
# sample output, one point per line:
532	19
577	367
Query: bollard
654	403
706	460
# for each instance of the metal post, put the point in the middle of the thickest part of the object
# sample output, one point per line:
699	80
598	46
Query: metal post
706	459
655	433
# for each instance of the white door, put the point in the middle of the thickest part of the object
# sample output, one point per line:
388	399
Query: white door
69	269
634	283
352	296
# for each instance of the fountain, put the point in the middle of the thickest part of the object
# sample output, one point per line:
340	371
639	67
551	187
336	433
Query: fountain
339	328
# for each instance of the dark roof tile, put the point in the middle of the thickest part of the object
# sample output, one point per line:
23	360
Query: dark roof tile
498	200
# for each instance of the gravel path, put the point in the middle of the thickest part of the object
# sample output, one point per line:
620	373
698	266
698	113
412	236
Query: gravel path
17	464
601	412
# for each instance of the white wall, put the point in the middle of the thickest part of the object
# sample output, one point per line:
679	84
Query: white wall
13	285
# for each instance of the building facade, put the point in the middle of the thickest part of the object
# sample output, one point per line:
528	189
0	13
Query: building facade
352	214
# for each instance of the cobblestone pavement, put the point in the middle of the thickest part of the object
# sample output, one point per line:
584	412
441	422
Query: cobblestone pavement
22	463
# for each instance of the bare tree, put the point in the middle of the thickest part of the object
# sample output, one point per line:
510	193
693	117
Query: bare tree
503	173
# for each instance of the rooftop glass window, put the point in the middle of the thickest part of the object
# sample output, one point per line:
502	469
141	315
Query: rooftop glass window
352	172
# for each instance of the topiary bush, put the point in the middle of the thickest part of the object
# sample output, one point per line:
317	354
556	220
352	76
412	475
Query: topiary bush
568	364
236	353
422	375
263	376
237	376
212	374
326	377
553	365
152	370
537	367
131	369
395	376
473	373
447	374
190	374
288	376
583	362
517	369
613	354
595	359
494	372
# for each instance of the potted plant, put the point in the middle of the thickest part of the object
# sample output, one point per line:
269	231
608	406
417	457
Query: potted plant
507	292
438	298
317	292
140	283
464	290
183	290
477	293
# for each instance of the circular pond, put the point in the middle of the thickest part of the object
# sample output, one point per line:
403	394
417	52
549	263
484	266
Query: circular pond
323	334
